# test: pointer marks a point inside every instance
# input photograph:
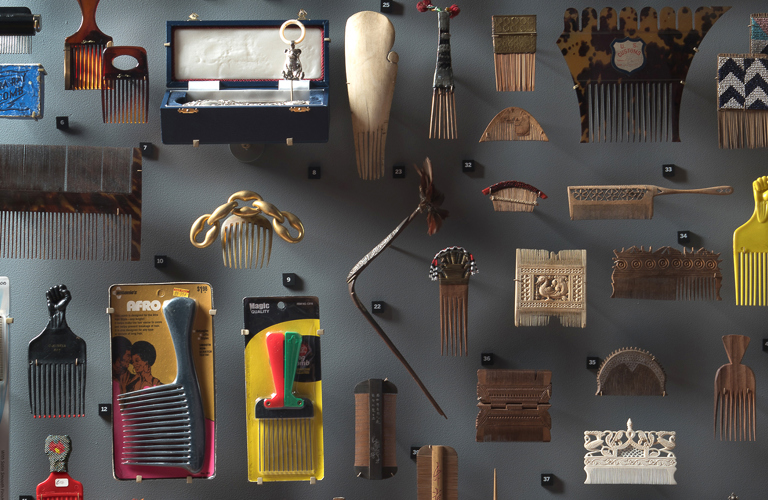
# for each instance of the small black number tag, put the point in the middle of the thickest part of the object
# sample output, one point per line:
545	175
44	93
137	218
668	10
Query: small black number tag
26	497
668	170
398	172
314	172
386	6
105	409
592	363
62	122
765	345
414	452
378	306
468	166
147	149
289	280
684	237
547	479
486	358
161	261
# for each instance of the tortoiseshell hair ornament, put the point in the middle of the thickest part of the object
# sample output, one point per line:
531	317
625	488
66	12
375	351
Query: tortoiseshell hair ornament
629	76
452	267
513	196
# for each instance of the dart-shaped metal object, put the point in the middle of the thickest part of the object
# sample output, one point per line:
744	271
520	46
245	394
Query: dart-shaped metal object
452	267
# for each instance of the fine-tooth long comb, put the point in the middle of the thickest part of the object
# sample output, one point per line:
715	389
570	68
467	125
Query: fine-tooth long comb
735	394
514	52
629	76
453	266
17	27
666	274
285	420
750	251
125	92
57	363
83	50
246	241
70	202
165	425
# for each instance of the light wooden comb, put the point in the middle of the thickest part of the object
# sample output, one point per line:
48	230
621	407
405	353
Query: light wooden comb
514	52
514	124
437	473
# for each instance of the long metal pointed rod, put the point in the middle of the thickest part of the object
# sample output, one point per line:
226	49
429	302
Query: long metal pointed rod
353	275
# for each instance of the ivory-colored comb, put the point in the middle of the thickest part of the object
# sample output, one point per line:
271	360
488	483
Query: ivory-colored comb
246	234
453	266
514	124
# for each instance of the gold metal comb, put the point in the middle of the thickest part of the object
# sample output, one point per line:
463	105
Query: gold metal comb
246	234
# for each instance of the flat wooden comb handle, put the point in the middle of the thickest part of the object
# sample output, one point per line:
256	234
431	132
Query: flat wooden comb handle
717	190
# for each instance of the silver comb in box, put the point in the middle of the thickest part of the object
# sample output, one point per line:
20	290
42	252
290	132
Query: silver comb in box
165	425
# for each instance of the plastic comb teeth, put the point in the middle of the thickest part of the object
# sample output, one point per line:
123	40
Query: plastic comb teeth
164	425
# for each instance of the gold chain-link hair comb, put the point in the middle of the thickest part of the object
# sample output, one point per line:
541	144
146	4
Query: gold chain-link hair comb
246	234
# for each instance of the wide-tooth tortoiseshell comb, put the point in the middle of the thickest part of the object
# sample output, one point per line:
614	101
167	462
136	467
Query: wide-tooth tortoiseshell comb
629	68
82	51
453	266
165	425
124	92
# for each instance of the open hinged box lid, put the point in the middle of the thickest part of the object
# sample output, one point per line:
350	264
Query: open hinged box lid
226	84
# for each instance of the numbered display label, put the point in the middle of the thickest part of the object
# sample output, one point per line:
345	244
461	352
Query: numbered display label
378	306
314	172
593	363
486	358
105	409
398	172
684	237
468	165
668	170
547	479
290	280
386	6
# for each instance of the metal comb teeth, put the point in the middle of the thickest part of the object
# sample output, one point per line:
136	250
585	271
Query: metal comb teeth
15	45
286	446
245	241
165	425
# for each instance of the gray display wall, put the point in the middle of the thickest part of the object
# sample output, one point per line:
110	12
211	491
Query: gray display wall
346	217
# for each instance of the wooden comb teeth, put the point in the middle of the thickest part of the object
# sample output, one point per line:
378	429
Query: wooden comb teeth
452	267
124	92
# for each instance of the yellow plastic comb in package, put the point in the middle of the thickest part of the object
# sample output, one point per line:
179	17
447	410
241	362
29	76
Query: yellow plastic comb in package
750	251
283	386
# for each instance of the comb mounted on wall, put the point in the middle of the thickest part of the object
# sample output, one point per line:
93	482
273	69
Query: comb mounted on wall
758	33
735	393
629	76
514	124
59	485
666	274
514	52
70	202
630	457
750	251
551	284
513	196
452	267
513	405
375	425
83	51
442	121
246	233
371	75
631	372
124	92
57	363
17	27
742	103
437	473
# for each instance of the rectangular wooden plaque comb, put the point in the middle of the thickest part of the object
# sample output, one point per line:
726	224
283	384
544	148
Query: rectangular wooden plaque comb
70	202
514	405
375	417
